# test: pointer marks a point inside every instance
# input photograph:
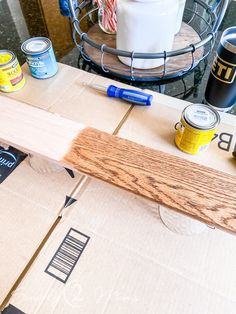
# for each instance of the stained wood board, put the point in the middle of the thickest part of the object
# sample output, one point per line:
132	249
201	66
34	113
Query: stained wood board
203	192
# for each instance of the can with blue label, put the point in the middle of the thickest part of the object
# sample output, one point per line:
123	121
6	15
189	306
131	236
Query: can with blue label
40	57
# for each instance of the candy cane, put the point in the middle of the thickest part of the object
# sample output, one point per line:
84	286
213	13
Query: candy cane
109	20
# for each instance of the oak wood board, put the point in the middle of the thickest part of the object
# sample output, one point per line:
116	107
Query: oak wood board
190	188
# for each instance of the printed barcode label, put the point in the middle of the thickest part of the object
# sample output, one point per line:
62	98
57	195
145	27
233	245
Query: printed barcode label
67	255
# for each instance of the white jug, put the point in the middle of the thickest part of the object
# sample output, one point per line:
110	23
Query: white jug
146	26
180	15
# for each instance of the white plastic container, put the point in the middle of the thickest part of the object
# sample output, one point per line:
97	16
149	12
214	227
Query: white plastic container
180	223
42	165
180	15
146	26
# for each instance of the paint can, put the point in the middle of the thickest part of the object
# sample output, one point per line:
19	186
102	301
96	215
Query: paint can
40	57
196	128
11	75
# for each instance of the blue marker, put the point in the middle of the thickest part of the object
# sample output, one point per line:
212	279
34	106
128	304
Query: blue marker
131	95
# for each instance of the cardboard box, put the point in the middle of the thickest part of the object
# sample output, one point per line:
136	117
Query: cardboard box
128	261
154	127
31	202
42	93
131	264
67	95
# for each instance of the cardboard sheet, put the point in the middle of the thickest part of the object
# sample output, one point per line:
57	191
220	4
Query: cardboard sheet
155	127
66	95
42	93
132	263
31	201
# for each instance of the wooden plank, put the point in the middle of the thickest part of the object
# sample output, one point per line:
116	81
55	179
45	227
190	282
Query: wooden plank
35	130
199	191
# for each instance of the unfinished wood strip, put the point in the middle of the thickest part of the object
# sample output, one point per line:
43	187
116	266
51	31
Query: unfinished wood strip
204	193
35	130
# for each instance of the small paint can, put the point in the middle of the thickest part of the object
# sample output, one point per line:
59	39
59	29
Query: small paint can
11	75
196	128
40	57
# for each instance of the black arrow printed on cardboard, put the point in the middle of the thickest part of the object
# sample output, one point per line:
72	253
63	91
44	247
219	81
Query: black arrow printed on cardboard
9	159
70	172
69	201
12	310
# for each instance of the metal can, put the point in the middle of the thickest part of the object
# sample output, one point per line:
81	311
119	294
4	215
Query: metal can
11	75
40	57
196	128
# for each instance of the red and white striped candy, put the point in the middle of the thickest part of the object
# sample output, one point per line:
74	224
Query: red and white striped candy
109	20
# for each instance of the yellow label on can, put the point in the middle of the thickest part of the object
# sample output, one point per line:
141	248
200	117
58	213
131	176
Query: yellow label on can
11	76
191	140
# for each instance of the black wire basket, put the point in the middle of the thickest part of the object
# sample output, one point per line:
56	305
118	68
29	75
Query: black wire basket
201	18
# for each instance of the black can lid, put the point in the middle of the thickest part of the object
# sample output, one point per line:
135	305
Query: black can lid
228	39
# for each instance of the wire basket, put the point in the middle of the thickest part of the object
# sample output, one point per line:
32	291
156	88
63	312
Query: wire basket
201	20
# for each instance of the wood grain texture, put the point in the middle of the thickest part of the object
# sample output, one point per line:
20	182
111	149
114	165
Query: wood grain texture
196	190
199	191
